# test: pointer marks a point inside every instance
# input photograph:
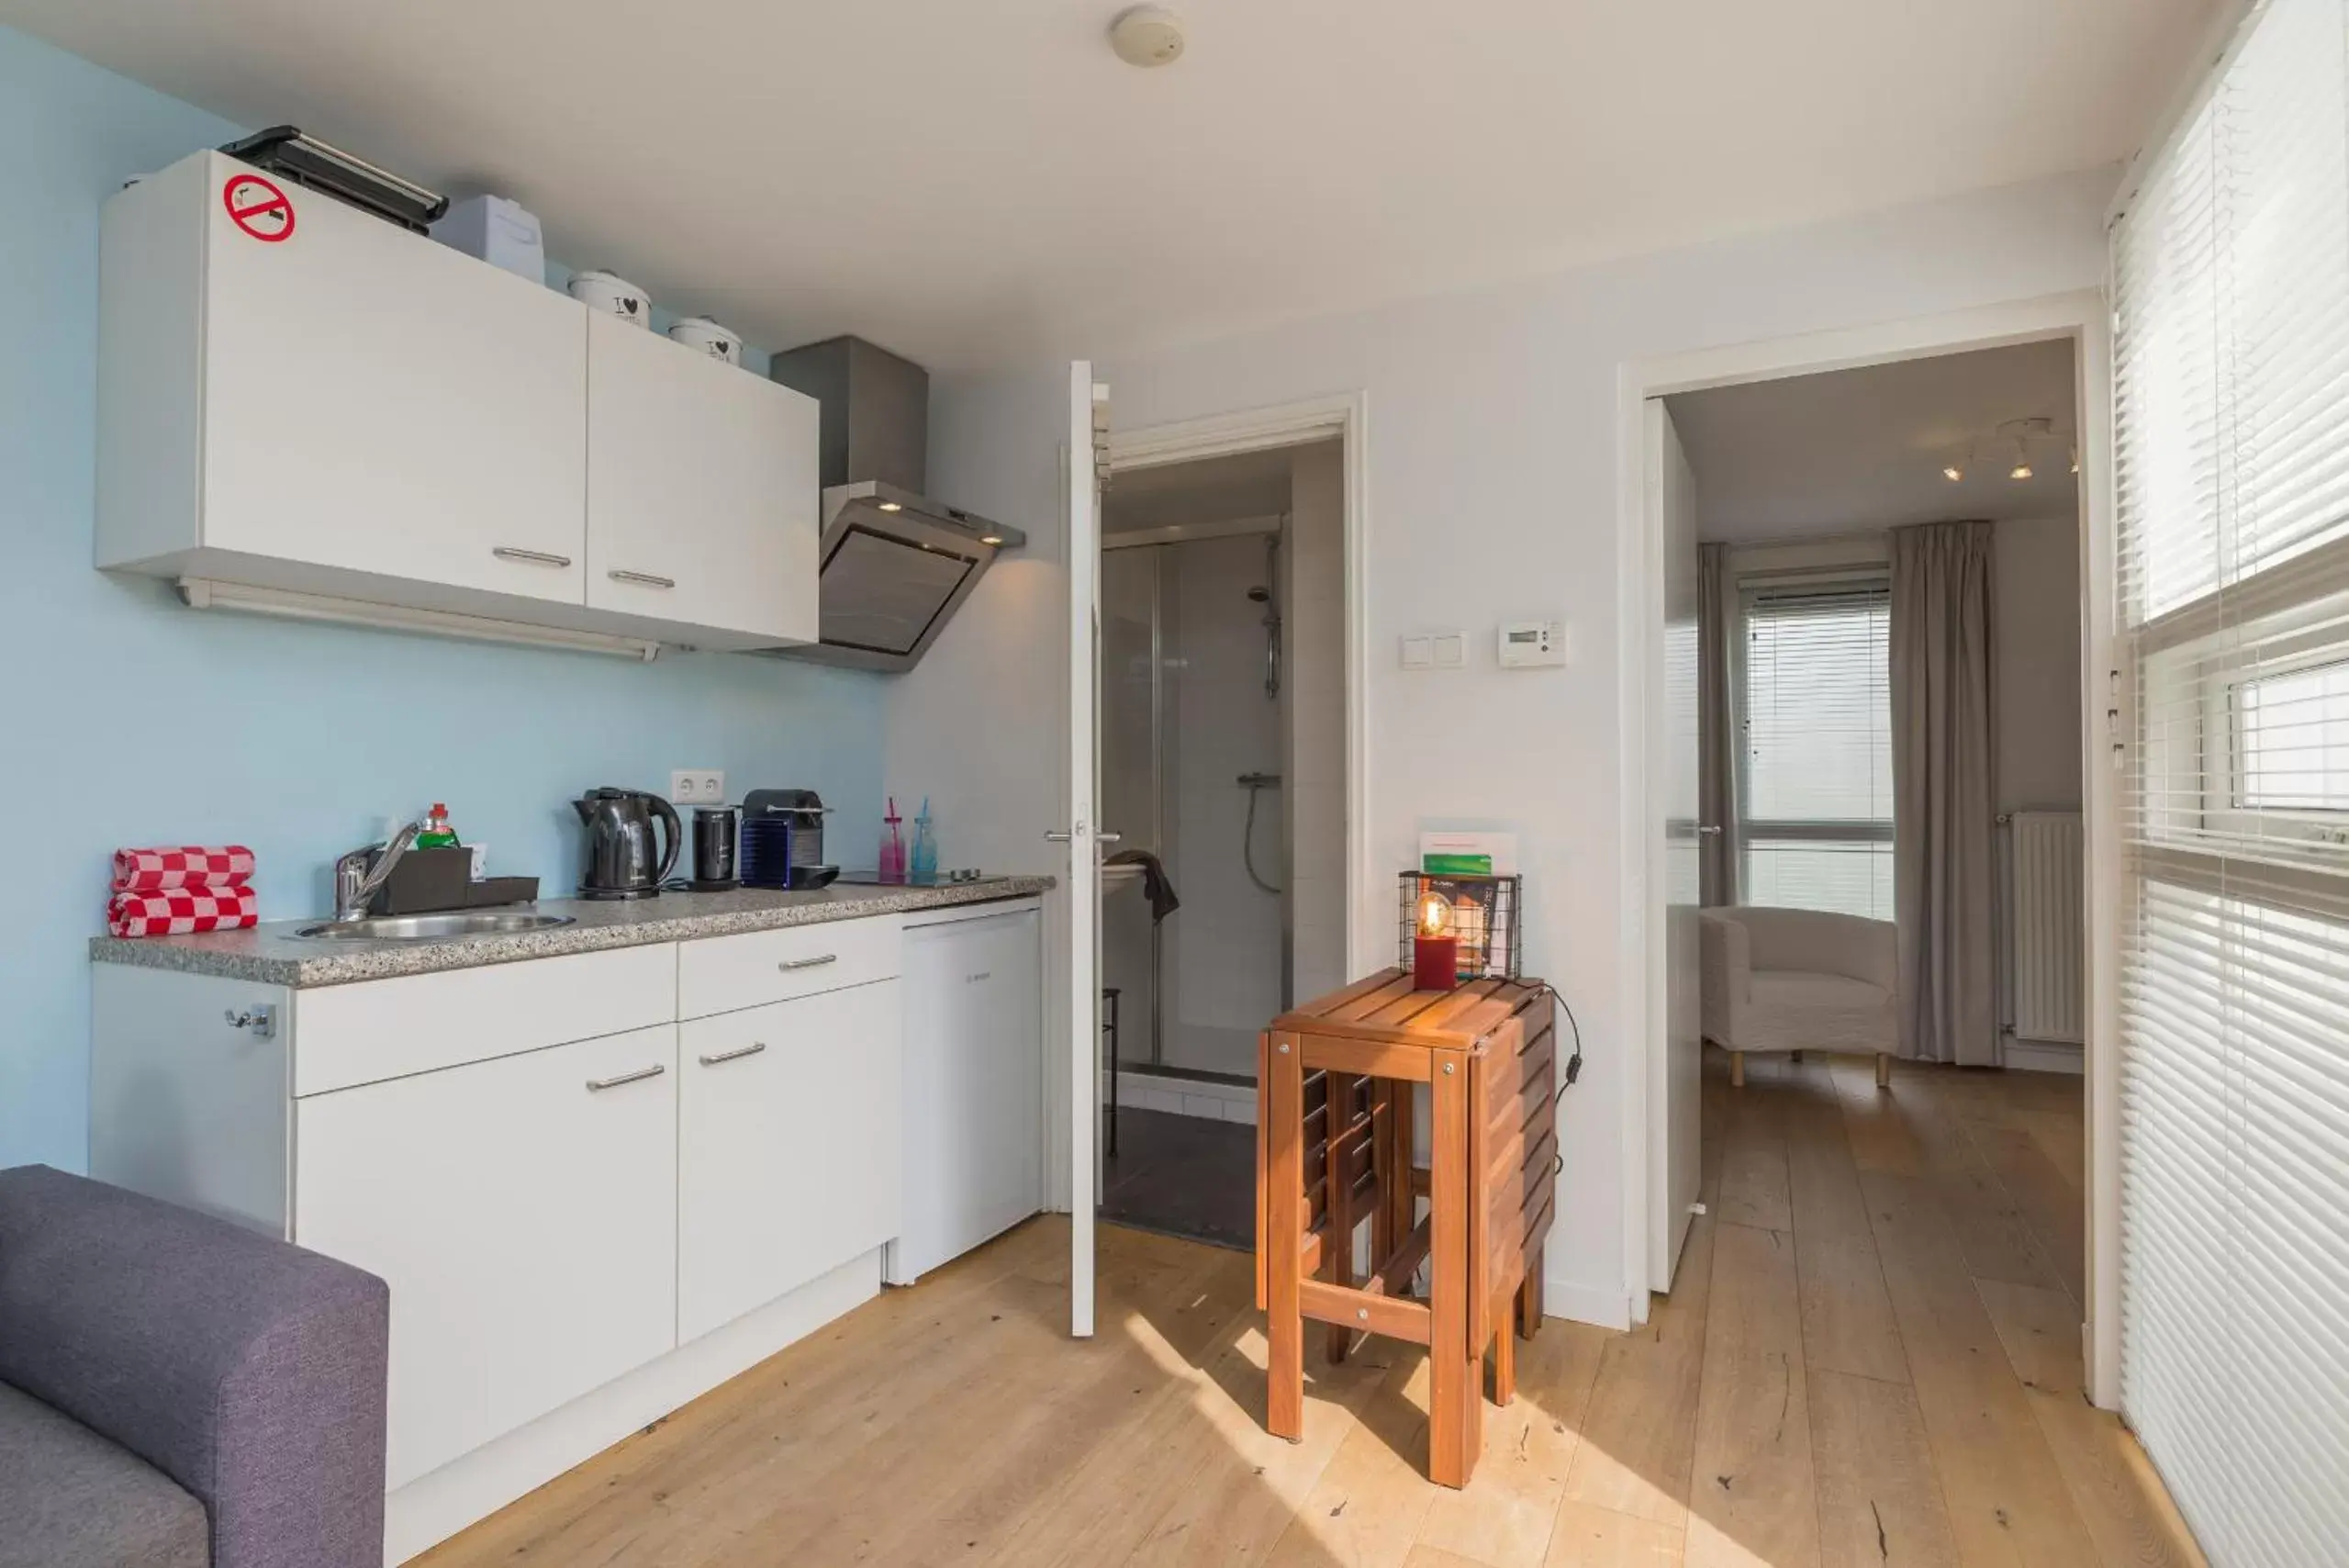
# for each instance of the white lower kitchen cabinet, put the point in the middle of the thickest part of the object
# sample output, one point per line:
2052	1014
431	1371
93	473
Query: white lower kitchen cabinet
524	1213
973	1114
600	1184
788	1148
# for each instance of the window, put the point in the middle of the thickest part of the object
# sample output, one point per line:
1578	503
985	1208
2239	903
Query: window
2231	424
2291	738
1815	705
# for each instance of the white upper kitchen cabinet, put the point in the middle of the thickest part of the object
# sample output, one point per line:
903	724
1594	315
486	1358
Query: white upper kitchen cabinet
297	395
701	493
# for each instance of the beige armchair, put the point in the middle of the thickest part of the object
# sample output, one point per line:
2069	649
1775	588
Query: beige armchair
1799	980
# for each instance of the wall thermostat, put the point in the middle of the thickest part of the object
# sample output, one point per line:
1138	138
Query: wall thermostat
1525	644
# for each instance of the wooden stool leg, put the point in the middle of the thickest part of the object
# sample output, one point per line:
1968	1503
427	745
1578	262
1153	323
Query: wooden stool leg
1284	1216
1795	1055
1884	1070
1505	1350
1736	1069
1455	1397
1529	1296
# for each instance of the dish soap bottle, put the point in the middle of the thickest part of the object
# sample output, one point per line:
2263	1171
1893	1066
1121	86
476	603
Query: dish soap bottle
437	834
892	864
924	869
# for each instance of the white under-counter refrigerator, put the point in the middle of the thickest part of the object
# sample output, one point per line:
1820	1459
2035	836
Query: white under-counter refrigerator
973	1133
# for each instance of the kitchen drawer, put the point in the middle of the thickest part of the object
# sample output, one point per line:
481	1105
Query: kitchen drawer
348	1034
720	974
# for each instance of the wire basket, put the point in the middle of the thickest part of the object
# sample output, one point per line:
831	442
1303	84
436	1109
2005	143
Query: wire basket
1485	919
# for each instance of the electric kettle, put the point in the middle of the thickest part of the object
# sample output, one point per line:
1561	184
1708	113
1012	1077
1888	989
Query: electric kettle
620	862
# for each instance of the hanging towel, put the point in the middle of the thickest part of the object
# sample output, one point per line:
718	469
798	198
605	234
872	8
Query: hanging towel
180	911
1156	886
187	866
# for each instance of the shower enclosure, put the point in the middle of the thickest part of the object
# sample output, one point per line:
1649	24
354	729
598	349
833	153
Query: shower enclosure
1192	726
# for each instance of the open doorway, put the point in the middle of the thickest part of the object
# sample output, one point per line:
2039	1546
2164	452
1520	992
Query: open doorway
1887	839
1222	737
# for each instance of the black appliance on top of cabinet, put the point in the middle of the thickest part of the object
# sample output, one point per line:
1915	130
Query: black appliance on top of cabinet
783	840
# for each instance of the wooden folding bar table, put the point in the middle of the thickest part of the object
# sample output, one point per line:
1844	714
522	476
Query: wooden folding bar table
1336	1148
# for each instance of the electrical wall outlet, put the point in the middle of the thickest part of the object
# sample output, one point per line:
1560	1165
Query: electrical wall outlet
697	787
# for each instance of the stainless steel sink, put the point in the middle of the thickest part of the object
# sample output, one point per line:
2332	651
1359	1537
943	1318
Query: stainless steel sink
432	927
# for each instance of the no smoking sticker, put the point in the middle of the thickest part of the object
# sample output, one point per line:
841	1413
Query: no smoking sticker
258	208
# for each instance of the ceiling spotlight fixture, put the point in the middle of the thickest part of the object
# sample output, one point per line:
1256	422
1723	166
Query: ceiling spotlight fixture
2021	470
2075	460
1146	36
1953	473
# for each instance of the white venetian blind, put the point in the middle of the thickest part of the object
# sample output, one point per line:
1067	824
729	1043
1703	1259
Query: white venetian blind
1815	821
2231	299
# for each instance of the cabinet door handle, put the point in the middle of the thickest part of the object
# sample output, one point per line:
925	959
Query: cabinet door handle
534	557
645	578
639	1076
814	963
736	1054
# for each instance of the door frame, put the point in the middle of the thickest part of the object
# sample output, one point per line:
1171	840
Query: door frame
1344	417
2084	318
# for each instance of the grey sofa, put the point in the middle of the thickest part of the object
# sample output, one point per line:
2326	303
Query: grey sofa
176	1392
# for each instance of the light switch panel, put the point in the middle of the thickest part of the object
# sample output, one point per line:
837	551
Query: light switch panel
1451	650
1418	653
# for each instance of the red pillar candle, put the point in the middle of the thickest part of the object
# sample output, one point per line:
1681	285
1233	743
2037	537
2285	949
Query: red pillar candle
1435	951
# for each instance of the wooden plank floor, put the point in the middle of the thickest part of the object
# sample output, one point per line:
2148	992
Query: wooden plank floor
1871	1356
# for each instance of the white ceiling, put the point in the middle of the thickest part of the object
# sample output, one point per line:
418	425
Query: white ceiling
1860	450
963	181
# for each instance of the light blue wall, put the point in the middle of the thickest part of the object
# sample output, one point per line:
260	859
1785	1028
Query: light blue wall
126	719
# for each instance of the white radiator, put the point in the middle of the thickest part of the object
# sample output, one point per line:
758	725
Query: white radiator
2046	912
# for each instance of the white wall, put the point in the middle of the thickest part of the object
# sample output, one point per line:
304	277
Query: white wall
1224	948
1491	494
1314	693
2035	650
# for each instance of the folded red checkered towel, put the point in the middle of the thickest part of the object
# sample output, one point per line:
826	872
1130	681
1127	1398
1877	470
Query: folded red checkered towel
185	865
177	912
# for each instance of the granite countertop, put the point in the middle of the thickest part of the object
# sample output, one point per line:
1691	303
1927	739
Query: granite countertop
273	955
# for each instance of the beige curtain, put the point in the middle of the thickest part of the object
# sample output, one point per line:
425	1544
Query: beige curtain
1716	748
1944	868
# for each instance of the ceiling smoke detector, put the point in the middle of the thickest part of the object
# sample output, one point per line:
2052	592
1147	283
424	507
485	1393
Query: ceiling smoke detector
1146	36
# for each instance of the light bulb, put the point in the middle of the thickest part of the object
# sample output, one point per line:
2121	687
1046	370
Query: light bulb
891	506
2020	471
1435	915
1953	473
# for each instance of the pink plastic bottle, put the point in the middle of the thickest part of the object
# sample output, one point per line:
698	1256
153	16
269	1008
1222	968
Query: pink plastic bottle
892	867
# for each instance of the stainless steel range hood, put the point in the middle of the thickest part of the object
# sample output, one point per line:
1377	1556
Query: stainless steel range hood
894	566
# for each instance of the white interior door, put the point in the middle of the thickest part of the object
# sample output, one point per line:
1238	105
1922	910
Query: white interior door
1676	1125
1087	441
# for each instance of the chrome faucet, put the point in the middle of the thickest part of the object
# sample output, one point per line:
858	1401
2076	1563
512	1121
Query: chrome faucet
361	874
